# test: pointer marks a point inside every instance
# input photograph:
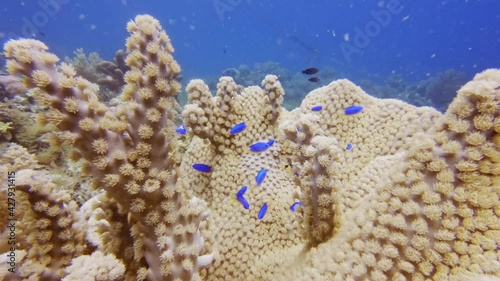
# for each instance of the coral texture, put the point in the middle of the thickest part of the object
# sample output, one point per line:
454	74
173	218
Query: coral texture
393	192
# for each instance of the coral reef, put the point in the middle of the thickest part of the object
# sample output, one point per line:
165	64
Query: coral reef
107	74
393	192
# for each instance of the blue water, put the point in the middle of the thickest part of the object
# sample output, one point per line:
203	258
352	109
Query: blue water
415	39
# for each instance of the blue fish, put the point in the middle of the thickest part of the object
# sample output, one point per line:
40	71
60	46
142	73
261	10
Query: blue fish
353	109
294	206
238	128
202	168
317	108
243	202
270	143
260	176
262	211
241	191
259	146
181	130
349	146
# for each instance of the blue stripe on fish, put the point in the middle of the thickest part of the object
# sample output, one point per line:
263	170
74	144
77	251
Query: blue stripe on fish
317	108
241	191
270	143
294	206
262	211
202	168
238	128
243	202
260	176
259	146
353	109
181	130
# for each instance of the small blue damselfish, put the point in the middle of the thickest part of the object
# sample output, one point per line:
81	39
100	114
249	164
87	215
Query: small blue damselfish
243	202
262	211
317	108
353	109
242	191
181	130
238	128
261	175
259	146
294	206
202	168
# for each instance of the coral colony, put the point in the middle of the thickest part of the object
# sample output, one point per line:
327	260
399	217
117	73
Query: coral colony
417	199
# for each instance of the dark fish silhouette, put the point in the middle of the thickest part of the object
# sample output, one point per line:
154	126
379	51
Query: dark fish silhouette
309	71
314	79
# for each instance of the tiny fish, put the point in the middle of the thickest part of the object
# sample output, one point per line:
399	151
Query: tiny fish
294	206
262	211
309	71
243	202
260	176
202	168
349	146
241	191
353	109
317	108
181	130
313	79
270	143
238	128
259	146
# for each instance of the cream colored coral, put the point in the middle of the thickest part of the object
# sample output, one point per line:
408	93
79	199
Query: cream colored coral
95	267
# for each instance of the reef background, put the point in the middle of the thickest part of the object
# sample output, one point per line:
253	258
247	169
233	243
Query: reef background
118	197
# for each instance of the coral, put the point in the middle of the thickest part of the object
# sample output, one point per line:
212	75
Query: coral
107	74
5	129
415	197
11	87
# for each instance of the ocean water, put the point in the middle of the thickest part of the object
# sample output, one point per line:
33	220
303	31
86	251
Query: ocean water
360	40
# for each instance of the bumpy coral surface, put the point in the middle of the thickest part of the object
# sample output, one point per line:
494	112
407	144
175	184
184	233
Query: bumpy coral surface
345	187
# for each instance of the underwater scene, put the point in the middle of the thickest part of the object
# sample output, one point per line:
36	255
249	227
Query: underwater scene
250	140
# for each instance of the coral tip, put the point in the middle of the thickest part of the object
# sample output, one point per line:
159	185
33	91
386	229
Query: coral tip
202	168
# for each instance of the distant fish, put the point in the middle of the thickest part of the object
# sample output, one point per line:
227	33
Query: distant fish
349	146
314	79
309	71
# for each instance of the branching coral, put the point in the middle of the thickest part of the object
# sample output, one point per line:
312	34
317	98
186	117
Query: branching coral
393	192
